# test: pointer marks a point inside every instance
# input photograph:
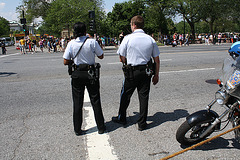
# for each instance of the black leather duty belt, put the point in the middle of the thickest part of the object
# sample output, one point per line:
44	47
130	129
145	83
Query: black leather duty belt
83	67
139	67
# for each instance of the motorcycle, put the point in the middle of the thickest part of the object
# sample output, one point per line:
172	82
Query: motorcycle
201	124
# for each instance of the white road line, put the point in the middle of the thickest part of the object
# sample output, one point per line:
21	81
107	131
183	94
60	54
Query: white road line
164	60
191	70
9	55
86	96
115	63
97	144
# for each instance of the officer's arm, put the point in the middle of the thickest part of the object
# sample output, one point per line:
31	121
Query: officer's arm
101	57
123	59
156	76
157	61
66	61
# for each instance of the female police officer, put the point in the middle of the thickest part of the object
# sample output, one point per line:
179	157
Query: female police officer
84	61
136	50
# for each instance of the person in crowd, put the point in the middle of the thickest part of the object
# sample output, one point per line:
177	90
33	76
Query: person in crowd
180	39
214	39
219	39
49	45
22	46
4	50
34	43
174	44
41	44
62	44
116	42
186	40
54	46
103	42
121	36
206	39
29	43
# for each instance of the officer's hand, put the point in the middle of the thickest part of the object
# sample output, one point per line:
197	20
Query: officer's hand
155	79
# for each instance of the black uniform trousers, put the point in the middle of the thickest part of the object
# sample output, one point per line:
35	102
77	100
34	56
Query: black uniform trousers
141	81
78	87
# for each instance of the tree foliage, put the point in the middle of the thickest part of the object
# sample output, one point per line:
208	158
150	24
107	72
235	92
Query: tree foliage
189	9
156	20
119	19
212	11
202	16
33	9
4	27
153	12
61	14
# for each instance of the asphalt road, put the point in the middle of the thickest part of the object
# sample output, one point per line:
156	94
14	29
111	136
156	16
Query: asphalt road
36	107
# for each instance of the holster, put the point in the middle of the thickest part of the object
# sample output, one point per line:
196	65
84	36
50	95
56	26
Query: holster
151	68
70	67
128	72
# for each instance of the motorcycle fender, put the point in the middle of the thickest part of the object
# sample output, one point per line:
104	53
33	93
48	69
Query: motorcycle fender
202	116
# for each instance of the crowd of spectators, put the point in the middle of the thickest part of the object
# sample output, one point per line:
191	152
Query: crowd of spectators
204	38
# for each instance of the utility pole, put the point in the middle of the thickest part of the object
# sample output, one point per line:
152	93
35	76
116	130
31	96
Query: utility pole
184	27
92	23
23	21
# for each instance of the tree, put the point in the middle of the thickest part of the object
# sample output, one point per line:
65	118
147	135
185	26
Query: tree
211	11
4	27
60	13
189	9
156	21
180	27
34	9
120	17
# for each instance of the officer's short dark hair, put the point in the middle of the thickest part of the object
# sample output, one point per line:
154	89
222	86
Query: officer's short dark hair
138	21
79	29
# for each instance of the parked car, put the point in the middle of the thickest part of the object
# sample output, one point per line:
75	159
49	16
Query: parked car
7	43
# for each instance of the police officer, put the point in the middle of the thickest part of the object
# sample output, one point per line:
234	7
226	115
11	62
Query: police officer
84	61
136	51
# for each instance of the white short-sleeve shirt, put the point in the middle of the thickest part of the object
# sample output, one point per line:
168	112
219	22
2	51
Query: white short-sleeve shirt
138	48
87	53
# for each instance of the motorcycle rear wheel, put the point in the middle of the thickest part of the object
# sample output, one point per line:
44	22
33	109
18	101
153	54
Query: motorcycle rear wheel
188	135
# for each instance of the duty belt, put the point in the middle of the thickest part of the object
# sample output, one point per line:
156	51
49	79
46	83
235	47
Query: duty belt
83	67
139	67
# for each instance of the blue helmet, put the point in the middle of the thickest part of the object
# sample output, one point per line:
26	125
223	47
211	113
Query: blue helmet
234	50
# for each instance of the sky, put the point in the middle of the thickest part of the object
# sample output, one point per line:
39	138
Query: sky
8	7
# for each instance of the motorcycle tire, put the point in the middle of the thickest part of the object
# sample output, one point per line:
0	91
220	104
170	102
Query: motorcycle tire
188	135
235	123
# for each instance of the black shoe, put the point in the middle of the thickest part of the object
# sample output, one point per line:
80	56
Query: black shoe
101	131
117	120
142	128
81	132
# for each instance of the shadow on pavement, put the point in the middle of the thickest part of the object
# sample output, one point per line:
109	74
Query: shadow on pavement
218	143
6	74
156	120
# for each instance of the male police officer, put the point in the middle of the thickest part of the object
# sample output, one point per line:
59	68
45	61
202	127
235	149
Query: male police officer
81	77
136	50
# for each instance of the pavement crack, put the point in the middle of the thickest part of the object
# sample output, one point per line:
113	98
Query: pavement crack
20	137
